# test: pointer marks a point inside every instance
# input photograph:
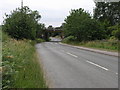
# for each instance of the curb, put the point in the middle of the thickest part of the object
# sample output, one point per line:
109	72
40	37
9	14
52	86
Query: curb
93	50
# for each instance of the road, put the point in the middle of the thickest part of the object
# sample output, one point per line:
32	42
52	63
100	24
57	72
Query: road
68	67
55	39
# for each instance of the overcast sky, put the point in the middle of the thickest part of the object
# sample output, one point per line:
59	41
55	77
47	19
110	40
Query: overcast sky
53	12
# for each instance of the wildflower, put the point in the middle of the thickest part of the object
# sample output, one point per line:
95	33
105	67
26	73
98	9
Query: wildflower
10	56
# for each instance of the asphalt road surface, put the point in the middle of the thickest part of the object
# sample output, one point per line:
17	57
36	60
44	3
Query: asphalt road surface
55	39
68	67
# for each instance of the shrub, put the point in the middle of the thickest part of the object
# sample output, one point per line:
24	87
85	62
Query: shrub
69	39
115	31
39	40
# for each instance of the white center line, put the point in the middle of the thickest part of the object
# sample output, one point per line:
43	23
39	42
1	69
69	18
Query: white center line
97	65
72	54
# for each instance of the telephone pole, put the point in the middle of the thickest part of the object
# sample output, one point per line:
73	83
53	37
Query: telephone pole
21	3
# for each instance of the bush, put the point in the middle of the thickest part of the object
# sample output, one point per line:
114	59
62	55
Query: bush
115	31
69	39
39	40
112	38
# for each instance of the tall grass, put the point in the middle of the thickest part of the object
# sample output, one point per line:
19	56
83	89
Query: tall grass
21	68
110	45
106	45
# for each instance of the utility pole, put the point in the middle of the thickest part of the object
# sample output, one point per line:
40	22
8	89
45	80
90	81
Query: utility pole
21	3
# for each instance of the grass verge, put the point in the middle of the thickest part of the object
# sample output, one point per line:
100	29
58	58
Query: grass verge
102	45
21	68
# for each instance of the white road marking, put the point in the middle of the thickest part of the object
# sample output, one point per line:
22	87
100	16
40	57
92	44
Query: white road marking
97	65
116	73
72	54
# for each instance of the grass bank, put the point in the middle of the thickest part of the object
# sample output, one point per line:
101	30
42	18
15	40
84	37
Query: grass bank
109	45
20	64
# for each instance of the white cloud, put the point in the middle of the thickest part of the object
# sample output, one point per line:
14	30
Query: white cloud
53	11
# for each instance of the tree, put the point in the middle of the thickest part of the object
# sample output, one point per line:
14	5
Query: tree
22	23
115	31
50	27
109	11
40	30
80	25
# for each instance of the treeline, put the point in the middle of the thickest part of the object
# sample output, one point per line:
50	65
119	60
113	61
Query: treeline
104	24
23	23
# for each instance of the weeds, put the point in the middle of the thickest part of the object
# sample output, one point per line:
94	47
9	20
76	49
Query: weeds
20	65
111	45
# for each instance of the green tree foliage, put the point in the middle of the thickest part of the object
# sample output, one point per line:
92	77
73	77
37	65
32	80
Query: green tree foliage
115	31
40	30
50	28
80	25
109	11
22	23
